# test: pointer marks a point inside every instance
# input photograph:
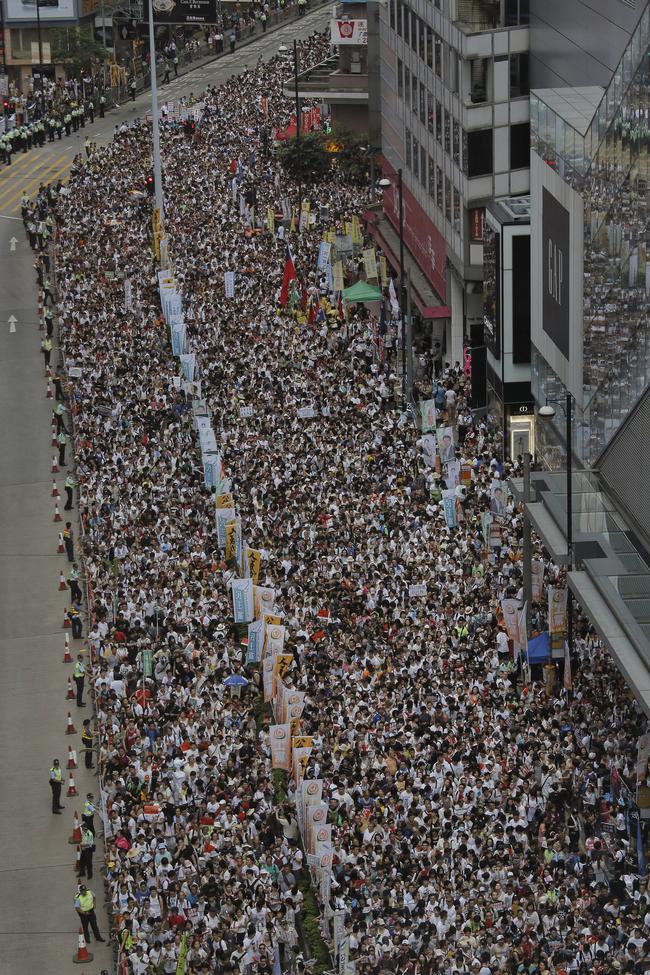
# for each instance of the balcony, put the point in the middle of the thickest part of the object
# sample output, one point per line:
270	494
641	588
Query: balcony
330	82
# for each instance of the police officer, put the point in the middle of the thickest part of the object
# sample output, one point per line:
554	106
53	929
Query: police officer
87	742
73	582
56	782
88	812
74	615
48	315
84	904
69	487
67	121
68	541
62	440
102	106
59	411
79	677
46	349
91	111
87	850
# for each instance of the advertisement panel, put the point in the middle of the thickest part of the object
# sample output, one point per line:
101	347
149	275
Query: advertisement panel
184	11
491	289
349	31
557	274
16	10
421	236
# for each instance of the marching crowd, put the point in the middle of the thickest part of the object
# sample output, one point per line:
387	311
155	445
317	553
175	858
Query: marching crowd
467	797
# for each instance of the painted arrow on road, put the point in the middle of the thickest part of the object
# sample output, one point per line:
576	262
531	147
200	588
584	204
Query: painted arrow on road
12	323
12	243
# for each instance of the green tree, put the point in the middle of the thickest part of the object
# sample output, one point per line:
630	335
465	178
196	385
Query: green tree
77	49
305	159
353	161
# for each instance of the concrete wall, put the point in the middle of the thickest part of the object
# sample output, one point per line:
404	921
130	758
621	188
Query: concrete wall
353	118
578	42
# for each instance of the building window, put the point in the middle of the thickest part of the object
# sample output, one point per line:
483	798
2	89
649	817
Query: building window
407	85
454	71
423	166
438	56
456	211
432	178
448	192
439	188
520	146
429	46
400	79
400	10
519	75
422	105
447	132
416	158
431	116
414	95
439	122
479	153
478	72
391	8
406	23
414	31
464	155
517	13
407	147
456	142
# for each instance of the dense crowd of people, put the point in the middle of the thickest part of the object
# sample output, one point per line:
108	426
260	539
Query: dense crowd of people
479	814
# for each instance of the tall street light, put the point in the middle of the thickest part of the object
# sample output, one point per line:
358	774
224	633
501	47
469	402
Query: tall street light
155	123
385	183
547	412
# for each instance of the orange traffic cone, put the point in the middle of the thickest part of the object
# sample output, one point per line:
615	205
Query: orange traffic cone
49	393
82	955
62	583
55	490
55	466
55	442
72	789
72	757
76	830
61	547
77	861
70	695
67	656
70	728
67	659
57	513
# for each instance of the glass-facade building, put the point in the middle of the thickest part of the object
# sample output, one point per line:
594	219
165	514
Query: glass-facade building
596	141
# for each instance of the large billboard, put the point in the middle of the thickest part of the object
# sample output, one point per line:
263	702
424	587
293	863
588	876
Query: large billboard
421	236
349	31
48	10
183	11
557	274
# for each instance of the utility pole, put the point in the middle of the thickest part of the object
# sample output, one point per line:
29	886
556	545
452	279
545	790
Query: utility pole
155	123
528	549
295	83
569	518
40	51
402	303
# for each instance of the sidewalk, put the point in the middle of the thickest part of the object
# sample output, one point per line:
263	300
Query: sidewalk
38	924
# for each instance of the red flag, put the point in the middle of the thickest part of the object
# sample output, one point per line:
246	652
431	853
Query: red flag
233	167
288	276
341	309
311	315
568	680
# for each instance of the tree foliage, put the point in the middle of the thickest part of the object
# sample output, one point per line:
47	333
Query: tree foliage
306	159
353	161
77	49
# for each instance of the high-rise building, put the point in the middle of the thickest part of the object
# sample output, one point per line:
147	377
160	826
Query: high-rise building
455	120
590	326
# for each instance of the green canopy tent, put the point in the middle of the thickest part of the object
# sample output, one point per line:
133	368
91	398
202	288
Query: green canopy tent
362	291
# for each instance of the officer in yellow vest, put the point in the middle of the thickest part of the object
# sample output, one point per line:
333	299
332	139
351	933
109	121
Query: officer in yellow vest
56	781
88	812
87	850
87	742
84	904
79	675
69	488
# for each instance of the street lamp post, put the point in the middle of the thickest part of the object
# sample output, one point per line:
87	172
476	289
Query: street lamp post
548	412
297	96
40	52
155	125
384	184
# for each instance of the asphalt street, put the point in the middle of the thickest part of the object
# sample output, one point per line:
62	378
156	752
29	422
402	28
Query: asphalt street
38	925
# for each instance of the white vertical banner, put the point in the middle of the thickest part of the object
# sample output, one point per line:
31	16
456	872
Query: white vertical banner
229	284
